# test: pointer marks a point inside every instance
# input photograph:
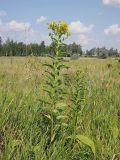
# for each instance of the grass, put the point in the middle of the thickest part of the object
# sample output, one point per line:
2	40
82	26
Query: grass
24	130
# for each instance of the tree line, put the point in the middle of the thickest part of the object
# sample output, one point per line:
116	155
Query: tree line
14	48
103	52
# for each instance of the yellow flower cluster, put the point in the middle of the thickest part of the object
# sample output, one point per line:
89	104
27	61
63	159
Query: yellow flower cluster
60	27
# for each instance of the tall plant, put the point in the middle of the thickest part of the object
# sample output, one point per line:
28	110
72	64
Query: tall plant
54	83
56	110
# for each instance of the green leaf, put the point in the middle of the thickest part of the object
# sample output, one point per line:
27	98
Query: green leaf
51	74
50	84
61	106
86	141
48	116
49	93
62	66
48	65
64	124
61	117
52	57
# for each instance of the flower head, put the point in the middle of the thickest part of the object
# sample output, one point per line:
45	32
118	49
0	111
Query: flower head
60	27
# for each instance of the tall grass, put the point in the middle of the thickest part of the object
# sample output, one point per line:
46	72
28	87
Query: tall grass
90	108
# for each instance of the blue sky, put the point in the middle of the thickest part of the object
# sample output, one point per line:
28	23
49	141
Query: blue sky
92	23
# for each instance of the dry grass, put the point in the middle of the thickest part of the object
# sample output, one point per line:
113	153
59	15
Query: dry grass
21	83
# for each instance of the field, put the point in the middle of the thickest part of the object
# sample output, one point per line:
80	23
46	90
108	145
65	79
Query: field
91	108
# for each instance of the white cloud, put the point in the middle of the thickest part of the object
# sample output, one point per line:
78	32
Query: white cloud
14	26
111	2
0	22
3	13
79	31
114	29
77	27
83	39
41	19
36	36
18	26
22	31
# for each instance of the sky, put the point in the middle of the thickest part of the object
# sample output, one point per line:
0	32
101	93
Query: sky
92	23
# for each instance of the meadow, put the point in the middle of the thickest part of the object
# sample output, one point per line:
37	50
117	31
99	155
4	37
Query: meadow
89	107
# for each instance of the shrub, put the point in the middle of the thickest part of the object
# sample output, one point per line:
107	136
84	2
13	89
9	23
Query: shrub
75	56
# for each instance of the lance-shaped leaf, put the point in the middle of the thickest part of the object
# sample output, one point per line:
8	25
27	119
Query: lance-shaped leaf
49	65
62	66
87	141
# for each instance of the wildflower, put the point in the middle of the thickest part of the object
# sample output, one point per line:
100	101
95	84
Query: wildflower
58	34
60	27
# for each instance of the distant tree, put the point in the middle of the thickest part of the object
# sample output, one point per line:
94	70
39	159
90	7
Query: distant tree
74	49
91	52
102	52
13	48
42	48
0	46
